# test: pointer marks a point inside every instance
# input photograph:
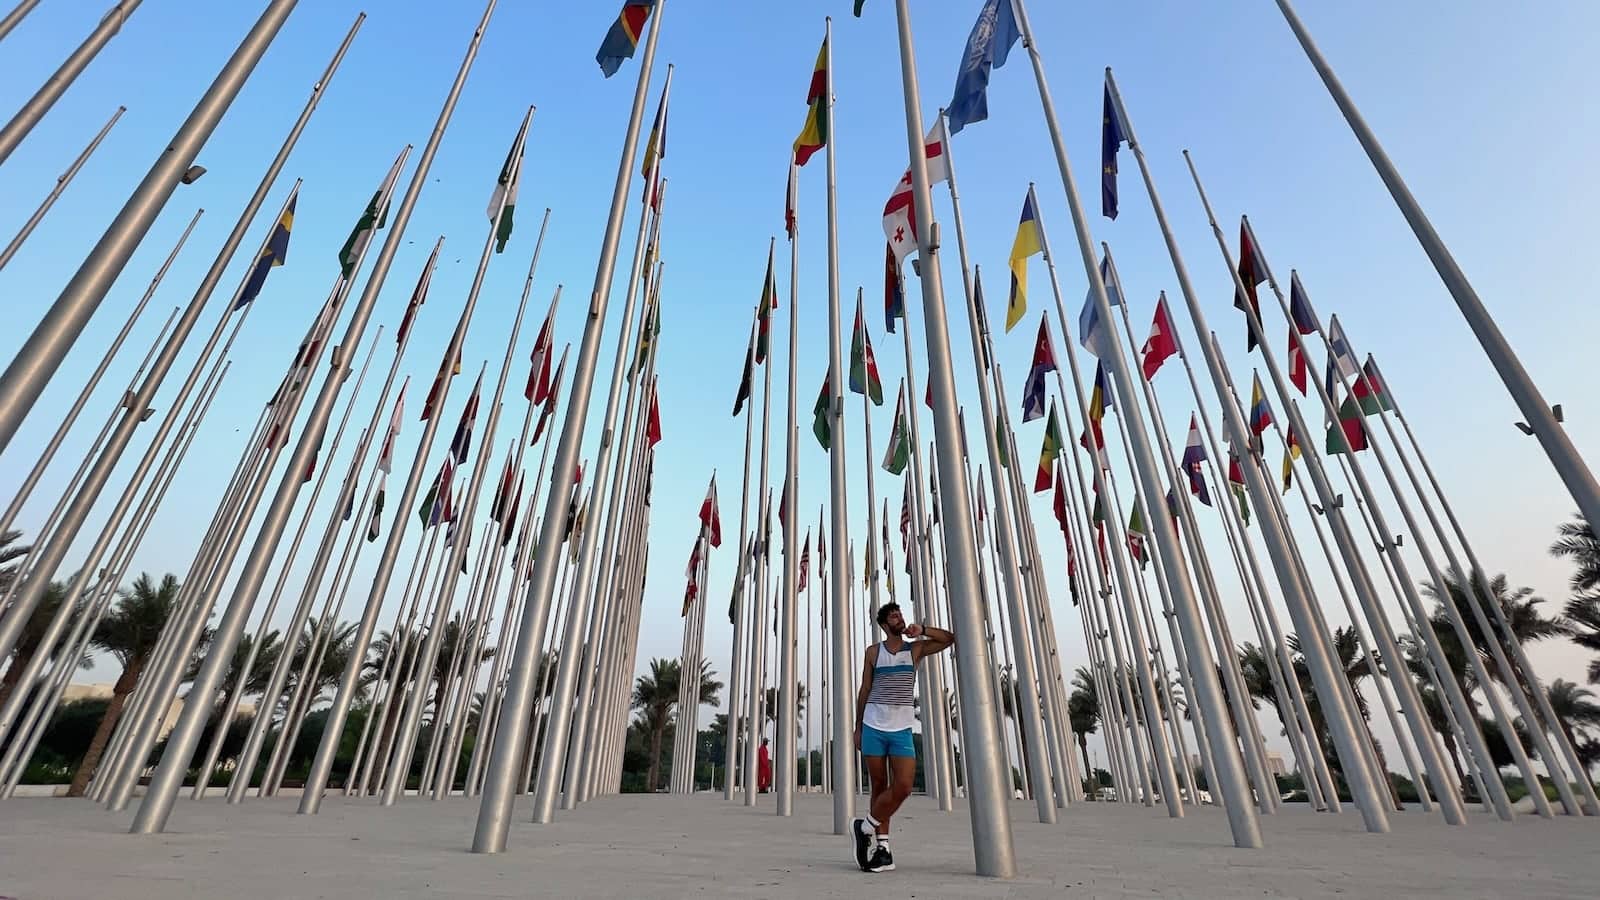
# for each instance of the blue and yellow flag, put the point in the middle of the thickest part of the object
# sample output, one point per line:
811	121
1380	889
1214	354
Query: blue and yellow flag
272	255
1026	244
623	38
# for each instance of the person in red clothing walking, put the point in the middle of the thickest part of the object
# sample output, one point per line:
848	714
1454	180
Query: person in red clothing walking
763	768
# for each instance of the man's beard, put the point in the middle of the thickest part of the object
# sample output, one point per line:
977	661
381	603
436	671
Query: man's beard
896	630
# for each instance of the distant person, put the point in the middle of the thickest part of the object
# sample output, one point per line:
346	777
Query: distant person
885	712
764	768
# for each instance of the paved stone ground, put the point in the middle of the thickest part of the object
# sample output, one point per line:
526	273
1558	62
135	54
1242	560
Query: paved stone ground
659	846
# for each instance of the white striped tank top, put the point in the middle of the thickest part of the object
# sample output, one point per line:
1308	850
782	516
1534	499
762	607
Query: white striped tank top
891	703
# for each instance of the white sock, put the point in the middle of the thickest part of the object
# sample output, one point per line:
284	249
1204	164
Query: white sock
871	821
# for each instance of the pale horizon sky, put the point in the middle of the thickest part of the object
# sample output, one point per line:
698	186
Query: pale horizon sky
1483	108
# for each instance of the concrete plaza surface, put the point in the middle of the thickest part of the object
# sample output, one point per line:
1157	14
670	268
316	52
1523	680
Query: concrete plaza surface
641	846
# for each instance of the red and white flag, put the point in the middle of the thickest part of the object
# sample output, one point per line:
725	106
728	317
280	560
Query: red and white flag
1162	343
538	388
710	518
899	214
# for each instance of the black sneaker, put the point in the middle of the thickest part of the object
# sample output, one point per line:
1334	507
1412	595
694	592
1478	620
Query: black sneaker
864	841
882	860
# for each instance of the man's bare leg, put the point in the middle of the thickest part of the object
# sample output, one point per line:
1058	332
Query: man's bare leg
886	802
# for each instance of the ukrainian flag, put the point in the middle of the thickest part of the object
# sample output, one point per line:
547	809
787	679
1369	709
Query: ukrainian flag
1026	244
272	255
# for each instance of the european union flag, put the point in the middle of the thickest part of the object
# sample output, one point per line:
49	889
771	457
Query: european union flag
623	38
987	47
1112	136
276	251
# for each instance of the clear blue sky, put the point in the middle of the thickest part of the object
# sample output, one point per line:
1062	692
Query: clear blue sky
1483	108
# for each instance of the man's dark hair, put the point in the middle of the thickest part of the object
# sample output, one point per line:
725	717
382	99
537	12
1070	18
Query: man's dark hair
885	610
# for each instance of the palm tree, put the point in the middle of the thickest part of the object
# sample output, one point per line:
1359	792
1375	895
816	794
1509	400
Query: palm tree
32	633
1583	619
1521	611
772	700
8	573
129	632
1083	709
1575	709
655	696
1579	544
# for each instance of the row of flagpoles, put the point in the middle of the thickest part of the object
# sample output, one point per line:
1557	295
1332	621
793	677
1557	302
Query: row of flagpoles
556	696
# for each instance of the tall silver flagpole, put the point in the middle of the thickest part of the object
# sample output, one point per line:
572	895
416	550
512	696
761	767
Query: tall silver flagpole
96	284
322	764
54	443
164	786
811	696
494	813
730	742
15	17
34	110
1591	806
1005	540
841	701
788	607
1306	618
987	792
55	192
1225	753
561	736
36	362
1564	456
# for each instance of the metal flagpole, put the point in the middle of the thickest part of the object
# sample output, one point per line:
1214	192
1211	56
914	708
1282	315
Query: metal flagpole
811	696
991	827
89	621
157	806
60	186
1225	753
50	556
594	599
1523	666
34	110
16	16
1564	456
563	741
71	417
494	813
1005	541
789	599
756	723
317	778
1298	600
730	748
36	362
231	704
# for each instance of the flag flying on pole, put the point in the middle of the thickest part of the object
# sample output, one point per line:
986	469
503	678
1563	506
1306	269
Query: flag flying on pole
899	213
898	453
1291	452
371	220
461	443
1091	331
272	255
1025	244
1099	519
1000	439
436	503
814	134
805	563
859	4
987	48
1048	452
791	197
1162	343
549	401
418	297
623	38
983	319
538	388
503	200
386	449
1347	435
1194	453
1044	362
1369	390
1260	412
1297	363
449	367
1305	321
746	377
655	146
894	292
905	520
983	510
693	574
653	423
863	364
1236	485
1252	271
647	336
1138	534
820	424
1113	134
375	524
1058	506
1099	402
1340	357
502	492
710	518
769	302
508	526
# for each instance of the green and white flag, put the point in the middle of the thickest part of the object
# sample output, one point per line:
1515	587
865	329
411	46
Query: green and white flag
503	202
898	453
371	220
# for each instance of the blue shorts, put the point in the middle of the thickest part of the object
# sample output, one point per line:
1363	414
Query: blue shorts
886	743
